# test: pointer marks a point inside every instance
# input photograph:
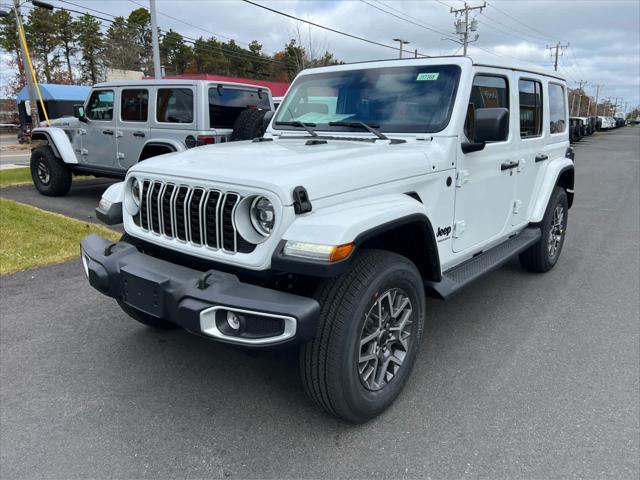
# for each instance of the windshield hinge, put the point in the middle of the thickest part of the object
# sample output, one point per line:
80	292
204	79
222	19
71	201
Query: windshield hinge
301	202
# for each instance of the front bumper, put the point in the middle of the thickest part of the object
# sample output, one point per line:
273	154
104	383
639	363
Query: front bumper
195	300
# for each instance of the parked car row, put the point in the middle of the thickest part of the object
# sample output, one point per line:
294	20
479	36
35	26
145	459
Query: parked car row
580	127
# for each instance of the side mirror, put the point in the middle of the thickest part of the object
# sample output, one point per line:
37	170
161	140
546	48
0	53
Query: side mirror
78	112
267	119
491	125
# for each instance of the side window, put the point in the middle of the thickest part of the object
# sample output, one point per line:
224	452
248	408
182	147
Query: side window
530	108
100	105
175	105
487	91
134	105
557	108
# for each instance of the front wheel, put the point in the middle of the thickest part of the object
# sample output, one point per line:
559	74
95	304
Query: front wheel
543	255
50	175
370	327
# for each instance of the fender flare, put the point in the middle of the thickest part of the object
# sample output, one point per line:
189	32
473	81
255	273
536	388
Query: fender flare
174	145
553	174
57	139
366	223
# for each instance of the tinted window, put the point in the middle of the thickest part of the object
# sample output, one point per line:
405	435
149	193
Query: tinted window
395	99
487	92
100	105
134	105
557	108
175	105
530	108
225	104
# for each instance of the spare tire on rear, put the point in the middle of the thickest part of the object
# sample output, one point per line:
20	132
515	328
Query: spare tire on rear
248	125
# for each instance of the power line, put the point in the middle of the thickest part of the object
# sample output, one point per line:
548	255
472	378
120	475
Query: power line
549	37
293	17
514	32
417	22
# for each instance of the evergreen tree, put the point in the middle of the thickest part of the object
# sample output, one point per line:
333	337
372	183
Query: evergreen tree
91	45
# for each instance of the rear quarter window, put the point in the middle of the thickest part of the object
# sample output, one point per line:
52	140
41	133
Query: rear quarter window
557	108
174	105
225	104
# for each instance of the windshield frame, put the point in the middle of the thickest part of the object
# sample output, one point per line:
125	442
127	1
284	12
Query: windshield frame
281	115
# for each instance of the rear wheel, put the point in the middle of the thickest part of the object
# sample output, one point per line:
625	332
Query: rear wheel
50	175
248	125
369	333
542	256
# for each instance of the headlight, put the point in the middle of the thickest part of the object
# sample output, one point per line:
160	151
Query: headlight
135	191
263	215
133	196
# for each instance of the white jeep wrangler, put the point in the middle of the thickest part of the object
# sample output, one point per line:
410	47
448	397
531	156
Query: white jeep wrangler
375	183
123	123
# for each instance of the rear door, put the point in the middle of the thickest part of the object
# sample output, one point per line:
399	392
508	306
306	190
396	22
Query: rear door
226	102
133	126
99	141
530	144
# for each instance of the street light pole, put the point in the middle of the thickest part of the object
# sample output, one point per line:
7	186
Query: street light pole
401	42
157	71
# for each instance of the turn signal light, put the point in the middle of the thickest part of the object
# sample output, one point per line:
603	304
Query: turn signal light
316	251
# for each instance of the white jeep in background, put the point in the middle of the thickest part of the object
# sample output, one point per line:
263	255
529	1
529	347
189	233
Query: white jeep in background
374	184
123	123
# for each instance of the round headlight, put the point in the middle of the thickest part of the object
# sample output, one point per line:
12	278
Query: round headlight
135	191
263	215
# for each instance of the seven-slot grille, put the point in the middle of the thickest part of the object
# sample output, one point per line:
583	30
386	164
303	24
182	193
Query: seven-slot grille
191	214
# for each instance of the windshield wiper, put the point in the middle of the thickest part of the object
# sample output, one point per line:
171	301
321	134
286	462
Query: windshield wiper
298	123
372	127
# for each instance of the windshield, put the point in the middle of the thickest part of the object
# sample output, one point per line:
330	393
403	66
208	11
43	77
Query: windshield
415	99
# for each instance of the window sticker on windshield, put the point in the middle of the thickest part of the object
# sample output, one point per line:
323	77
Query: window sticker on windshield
424	77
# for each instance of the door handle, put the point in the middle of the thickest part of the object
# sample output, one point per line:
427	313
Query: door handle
138	134
541	158
107	132
509	165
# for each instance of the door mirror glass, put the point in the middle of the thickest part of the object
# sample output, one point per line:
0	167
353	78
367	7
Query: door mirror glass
78	112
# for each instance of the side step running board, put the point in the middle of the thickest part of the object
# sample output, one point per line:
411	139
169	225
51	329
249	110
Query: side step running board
461	275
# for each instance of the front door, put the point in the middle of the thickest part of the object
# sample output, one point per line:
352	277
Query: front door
99	141
133	126
485	183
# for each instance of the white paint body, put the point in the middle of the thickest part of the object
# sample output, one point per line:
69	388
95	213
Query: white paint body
356	186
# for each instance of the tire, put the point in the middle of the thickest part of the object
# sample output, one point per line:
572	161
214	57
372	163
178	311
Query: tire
50	175
248	125
332	370
543	256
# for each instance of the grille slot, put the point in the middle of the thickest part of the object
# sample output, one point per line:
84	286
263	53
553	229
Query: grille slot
194	215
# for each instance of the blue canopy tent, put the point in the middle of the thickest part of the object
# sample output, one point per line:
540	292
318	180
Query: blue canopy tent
58	100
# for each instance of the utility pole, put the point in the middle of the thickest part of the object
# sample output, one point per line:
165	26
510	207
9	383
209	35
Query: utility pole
580	95
33	102
463	27
558	53
157	71
402	42
597	93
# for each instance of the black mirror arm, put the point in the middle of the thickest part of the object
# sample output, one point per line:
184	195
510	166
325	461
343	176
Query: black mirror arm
468	147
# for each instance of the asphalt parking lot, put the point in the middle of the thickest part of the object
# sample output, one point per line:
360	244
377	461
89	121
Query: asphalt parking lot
520	376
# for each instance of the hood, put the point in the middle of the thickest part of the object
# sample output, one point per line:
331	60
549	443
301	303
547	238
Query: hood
62	122
324	169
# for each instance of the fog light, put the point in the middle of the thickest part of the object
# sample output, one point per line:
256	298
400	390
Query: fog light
233	321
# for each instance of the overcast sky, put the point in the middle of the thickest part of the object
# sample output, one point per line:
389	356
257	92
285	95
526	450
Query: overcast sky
603	35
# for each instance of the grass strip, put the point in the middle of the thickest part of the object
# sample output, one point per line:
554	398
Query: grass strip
31	237
15	176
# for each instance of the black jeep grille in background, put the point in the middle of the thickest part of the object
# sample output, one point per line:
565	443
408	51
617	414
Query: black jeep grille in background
192	214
